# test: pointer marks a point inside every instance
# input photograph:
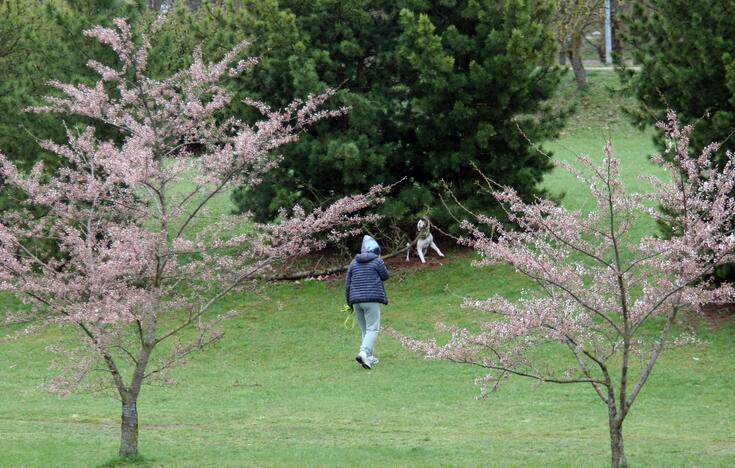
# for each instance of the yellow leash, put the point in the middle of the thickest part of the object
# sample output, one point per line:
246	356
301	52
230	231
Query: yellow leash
346	309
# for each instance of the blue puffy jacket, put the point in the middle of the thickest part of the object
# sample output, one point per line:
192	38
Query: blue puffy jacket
366	274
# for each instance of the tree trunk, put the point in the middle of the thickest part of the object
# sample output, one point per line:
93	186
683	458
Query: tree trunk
616	445
580	75
129	429
600	49
562	53
575	59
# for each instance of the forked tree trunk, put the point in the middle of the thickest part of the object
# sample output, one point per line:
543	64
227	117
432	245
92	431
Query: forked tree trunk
129	395
129	429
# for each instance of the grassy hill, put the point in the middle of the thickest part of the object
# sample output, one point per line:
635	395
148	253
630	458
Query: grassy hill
282	388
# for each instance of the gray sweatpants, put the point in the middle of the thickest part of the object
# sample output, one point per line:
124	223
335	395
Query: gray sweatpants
368	317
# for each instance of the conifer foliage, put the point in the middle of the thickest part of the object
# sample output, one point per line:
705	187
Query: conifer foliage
685	50
432	85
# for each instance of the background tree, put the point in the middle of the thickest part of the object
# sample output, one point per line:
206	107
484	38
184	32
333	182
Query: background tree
572	22
477	72
345	44
686	57
366	50
603	295
42	41
135	271
432	85
686	62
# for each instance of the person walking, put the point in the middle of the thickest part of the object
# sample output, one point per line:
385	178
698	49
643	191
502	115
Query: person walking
365	292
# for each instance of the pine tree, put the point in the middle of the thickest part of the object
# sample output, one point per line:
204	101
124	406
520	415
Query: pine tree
40	41
349	45
480	73
687	60
685	50
433	86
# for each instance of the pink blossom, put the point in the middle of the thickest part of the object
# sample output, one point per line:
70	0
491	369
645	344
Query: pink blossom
597	285
133	260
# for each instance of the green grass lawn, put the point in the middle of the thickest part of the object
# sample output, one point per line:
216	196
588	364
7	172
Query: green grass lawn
282	388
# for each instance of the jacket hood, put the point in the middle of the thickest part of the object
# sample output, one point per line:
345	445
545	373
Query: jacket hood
365	257
370	245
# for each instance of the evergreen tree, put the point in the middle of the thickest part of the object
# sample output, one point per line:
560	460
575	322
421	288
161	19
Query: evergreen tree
480	71
348	45
687	59
433	87
686	52
42	40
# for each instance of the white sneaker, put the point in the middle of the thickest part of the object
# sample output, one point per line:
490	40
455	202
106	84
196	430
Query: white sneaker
364	360
373	360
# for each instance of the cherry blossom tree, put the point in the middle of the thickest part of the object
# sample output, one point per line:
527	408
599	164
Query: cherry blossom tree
605	296
136	276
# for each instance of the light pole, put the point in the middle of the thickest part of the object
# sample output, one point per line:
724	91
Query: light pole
608	33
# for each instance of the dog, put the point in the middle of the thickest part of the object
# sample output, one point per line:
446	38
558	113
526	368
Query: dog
424	240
